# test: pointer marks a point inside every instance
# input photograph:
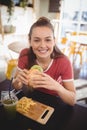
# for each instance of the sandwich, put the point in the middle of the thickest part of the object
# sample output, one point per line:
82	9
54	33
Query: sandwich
32	73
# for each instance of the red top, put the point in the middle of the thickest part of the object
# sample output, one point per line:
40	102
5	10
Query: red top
60	69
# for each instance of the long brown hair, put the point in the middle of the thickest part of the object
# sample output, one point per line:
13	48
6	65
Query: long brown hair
42	21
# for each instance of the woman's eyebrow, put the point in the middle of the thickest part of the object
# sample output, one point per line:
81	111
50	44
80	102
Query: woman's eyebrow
40	37
36	37
48	37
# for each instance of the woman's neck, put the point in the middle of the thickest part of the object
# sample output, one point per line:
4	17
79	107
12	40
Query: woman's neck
45	64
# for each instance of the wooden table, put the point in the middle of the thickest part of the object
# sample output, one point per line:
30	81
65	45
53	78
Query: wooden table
64	117
17	46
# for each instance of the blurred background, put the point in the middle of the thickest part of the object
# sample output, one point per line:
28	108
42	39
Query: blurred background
69	19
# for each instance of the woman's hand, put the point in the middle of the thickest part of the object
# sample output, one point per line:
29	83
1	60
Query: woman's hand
66	92
20	78
23	76
42	80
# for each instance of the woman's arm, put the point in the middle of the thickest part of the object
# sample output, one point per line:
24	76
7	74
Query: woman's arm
66	91
20	78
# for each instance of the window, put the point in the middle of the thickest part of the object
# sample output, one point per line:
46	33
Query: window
73	17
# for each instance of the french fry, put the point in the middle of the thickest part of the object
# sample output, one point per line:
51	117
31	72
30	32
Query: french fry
24	105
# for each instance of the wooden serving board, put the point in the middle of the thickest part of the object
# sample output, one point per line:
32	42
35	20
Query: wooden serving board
39	112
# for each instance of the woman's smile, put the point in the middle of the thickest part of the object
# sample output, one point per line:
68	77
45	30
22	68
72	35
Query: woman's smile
42	41
43	51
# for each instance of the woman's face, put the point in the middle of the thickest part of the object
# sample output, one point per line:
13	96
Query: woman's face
42	42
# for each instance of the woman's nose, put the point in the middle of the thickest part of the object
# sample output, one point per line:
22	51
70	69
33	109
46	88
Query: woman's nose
43	44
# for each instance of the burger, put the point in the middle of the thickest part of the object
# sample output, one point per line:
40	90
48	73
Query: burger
36	67
32	73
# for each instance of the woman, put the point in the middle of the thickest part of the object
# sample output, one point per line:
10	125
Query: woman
57	78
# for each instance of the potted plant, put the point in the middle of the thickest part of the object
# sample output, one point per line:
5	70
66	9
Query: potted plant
9	28
10	6
10	9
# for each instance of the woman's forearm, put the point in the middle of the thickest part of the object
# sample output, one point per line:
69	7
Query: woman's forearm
67	96
17	84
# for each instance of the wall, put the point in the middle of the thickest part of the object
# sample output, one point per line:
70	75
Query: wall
21	18
42	9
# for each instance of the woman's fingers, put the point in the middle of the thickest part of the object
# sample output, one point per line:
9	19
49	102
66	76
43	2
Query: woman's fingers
22	76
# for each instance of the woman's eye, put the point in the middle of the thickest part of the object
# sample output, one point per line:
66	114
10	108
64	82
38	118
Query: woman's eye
36	40
48	40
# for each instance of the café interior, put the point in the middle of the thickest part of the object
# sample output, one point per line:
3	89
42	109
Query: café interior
69	19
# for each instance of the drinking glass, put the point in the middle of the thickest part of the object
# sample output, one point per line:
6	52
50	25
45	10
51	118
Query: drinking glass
9	103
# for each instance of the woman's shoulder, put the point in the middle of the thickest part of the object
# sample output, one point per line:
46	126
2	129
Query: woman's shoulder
62	61
24	52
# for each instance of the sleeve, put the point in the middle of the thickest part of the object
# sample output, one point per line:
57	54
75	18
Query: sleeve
67	70
23	59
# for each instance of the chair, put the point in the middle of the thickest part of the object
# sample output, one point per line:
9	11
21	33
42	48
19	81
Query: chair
64	42
11	67
75	49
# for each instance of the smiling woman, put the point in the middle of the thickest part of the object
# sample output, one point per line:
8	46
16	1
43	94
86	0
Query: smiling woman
57	76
